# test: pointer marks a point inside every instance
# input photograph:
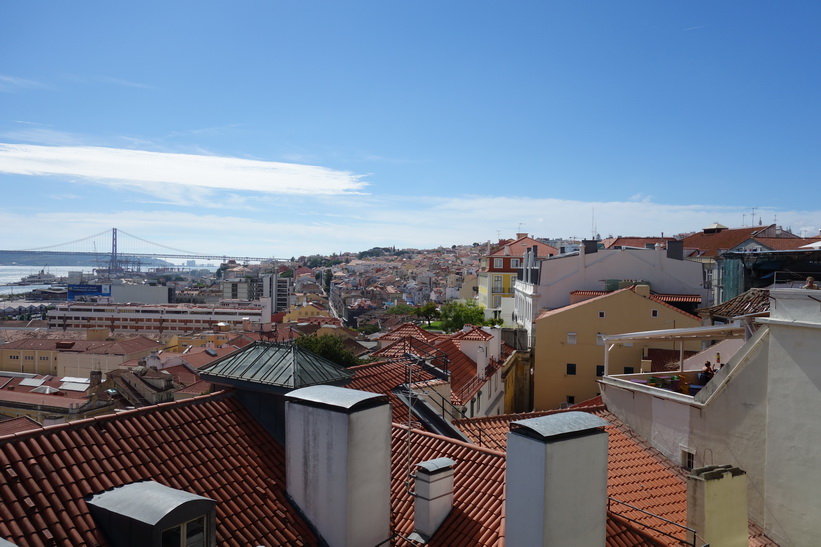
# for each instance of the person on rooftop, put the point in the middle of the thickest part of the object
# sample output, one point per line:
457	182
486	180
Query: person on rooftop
706	373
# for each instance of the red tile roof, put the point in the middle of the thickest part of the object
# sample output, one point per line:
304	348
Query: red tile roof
100	347
408	329
638	474
475	333
518	247
478	488
384	376
17	425
209	446
714	243
786	243
689	298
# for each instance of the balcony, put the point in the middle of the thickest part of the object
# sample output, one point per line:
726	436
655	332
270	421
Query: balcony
681	385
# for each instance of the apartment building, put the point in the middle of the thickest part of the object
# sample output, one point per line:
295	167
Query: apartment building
168	318
499	270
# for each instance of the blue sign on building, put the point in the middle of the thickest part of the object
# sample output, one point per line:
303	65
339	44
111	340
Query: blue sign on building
83	291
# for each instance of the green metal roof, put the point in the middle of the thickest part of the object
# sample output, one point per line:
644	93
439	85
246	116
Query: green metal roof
284	365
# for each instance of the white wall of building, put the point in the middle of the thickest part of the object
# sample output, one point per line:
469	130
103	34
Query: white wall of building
139	294
589	271
759	413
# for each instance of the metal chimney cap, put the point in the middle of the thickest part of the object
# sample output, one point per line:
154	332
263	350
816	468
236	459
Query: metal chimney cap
435	465
339	398
558	425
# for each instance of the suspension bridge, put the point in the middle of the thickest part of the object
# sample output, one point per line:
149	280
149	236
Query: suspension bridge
118	250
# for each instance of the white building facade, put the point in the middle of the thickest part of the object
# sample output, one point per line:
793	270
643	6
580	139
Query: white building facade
759	413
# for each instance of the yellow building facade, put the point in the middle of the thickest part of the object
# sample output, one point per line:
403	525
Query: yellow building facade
300	313
569	351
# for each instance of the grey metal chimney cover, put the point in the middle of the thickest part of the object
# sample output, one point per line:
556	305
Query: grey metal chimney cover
438	464
340	398
558	425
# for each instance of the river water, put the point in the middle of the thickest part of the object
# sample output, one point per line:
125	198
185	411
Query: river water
13	274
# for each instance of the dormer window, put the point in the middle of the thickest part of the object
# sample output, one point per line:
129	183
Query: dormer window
150	514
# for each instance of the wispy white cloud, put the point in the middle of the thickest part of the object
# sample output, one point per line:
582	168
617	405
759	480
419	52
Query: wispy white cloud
124	83
149	171
293	225
9	84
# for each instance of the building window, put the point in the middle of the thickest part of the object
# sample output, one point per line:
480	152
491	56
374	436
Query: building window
571	399
497	283
601	315
654	313
571	369
571	338
498	262
189	534
688	459
628	370
28	357
599	371
14	357
515	262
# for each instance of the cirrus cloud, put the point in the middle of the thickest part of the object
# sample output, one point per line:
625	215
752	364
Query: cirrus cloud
143	170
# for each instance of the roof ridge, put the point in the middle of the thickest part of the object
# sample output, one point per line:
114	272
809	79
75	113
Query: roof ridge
104	418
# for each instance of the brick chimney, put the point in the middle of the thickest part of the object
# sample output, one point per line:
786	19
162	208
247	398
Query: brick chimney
337	450
556	493
717	506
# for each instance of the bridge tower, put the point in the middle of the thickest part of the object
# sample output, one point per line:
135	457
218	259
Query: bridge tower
114	266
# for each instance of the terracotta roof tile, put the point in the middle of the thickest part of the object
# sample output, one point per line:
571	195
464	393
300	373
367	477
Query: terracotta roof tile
17	425
408	330
638	474
753	301
156	443
713	244
384	377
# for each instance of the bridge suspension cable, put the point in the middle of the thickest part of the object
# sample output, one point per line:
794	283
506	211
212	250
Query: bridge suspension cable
158	244
106	232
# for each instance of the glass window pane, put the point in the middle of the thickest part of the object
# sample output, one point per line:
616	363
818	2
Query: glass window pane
195	533
172	537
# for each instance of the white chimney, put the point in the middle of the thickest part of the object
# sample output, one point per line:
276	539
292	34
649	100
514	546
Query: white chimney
337	449
481	361
556	492
434	497
717	506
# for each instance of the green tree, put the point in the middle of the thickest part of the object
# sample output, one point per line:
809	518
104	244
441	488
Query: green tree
428	310
401	308
368	329
330	347
456	315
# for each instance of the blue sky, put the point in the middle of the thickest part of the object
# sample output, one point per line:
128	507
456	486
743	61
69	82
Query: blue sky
270	128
